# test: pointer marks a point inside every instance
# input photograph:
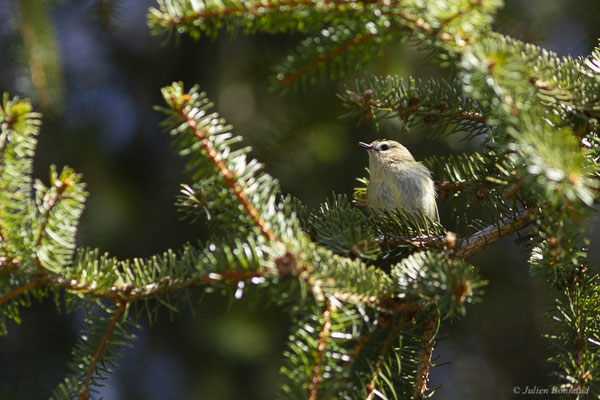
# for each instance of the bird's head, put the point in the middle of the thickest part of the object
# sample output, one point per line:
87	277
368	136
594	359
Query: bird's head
387	152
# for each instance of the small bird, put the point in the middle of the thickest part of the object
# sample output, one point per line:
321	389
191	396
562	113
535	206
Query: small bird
397	181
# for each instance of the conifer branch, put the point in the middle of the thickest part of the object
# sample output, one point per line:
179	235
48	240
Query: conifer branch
323	338
52	202
465	248
17	292
430	114
228	176
427	345
579	342
493	233
371	386
84	391
355	41
460	13
247	9
127	293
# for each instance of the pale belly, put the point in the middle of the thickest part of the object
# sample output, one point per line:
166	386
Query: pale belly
410	192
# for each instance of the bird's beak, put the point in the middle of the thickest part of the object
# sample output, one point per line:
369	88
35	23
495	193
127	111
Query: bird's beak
365	145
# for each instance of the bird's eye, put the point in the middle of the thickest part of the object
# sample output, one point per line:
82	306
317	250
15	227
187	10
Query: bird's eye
384	147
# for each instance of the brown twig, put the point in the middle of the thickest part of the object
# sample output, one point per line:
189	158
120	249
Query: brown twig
323	337
427	345
229	177
84	391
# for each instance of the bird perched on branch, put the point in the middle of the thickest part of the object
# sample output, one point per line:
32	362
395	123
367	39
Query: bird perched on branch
397	181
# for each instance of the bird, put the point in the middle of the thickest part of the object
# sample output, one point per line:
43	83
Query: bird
397	181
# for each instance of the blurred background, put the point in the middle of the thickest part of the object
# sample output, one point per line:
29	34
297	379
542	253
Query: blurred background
93	69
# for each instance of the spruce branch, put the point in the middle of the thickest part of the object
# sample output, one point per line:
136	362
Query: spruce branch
464	248
50	200
351	305
290	77
128	293
439	105
203	17
372	385
169	15
229	176
452	25
577	335
405	111
450	28
492	233
227	182
341	49
18	291
19	127
110	328
59	208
